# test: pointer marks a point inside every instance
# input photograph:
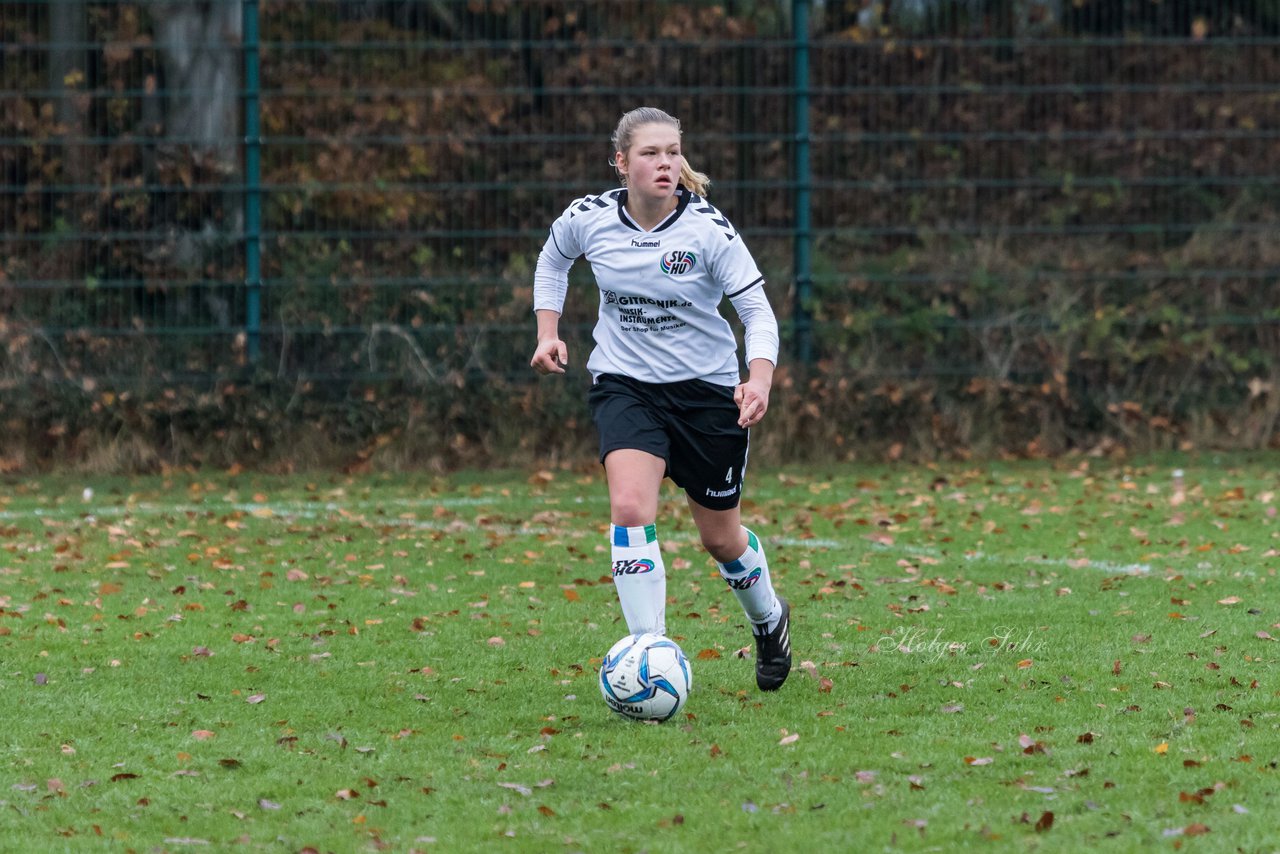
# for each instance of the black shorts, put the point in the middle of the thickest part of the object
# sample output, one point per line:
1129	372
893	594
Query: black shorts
693	425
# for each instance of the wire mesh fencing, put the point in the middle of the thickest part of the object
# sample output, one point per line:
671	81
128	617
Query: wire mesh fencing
1001	191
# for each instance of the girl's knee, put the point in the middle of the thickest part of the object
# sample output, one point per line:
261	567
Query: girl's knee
631	509
723	544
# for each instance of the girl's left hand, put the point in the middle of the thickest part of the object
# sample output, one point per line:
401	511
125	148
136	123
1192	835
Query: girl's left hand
752	398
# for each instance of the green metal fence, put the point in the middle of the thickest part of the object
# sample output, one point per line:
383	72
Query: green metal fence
358	190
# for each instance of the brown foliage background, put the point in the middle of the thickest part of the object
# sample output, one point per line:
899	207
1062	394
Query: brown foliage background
1029	236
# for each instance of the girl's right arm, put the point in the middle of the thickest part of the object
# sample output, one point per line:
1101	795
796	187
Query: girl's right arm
551	355
550	284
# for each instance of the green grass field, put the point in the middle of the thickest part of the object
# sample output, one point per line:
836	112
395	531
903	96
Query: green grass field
1000	657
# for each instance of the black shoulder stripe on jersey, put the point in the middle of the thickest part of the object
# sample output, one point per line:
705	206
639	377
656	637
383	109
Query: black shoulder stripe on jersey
759	281
557	243
586	203
718	218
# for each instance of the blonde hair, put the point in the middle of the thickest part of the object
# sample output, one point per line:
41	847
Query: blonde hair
694	181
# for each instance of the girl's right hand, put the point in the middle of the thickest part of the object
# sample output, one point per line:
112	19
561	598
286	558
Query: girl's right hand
550	357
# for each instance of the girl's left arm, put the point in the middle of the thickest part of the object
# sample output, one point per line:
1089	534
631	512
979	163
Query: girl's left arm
761	338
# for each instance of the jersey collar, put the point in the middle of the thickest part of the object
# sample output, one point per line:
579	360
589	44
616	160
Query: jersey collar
682	201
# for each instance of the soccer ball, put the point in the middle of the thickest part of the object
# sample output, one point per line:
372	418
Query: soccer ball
645	677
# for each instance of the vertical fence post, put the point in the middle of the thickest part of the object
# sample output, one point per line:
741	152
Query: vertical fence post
252	180
801	261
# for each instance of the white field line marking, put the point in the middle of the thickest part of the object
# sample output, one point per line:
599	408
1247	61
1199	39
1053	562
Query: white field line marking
814	543
288	510
1070	563
305	509
1202	569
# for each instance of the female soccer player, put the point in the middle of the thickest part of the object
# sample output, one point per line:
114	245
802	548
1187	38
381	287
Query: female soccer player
667	398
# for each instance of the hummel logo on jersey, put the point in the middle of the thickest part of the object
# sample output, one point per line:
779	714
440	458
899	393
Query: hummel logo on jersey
652	243
679	262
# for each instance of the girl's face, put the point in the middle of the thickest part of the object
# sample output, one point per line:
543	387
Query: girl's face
652	164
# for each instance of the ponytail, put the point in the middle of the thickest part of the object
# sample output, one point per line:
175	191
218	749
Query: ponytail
696	182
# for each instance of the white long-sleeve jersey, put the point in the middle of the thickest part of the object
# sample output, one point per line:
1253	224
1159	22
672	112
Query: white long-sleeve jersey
660	290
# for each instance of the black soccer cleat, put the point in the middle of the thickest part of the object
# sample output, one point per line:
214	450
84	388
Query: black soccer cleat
773	651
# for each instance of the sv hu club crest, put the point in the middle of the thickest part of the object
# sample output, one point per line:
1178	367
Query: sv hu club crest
679	262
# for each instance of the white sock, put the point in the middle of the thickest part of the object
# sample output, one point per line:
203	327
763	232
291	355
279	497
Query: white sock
640	577
748	578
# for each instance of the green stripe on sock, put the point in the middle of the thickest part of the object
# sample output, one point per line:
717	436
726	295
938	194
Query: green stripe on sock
752	542
650	533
